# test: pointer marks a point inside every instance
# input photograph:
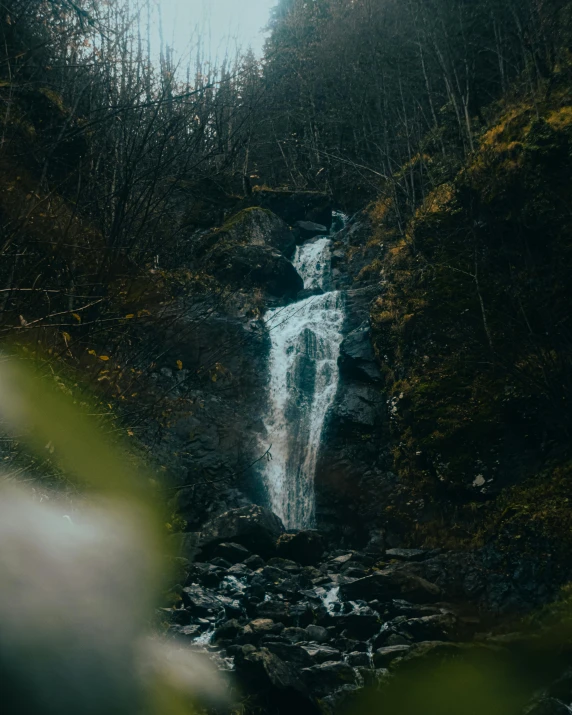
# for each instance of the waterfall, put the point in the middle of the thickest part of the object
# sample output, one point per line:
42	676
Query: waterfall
305	344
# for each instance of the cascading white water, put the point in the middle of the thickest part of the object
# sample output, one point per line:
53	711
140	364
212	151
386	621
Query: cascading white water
305	344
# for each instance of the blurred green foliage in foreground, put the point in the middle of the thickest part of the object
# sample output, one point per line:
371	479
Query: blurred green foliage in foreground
78	592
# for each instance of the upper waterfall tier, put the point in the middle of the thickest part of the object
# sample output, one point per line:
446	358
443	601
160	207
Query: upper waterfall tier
313	263
305	344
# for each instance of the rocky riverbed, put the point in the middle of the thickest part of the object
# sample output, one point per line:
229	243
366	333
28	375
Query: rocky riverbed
302	627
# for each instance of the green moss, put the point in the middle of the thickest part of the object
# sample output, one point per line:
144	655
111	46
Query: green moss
536	515
241	219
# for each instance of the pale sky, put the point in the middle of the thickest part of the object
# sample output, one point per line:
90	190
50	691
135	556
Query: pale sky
221	23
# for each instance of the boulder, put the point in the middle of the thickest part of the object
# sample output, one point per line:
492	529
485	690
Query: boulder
207	575
259	266
308	229
273	574
239	571
254	562
397	639
305	547
383	657
275	610
322	653
253	527
388	585
295	634
228	631
358	408
357	358
254	226
292	588
360	625
200	601
258	628
265	670
317	634
191	632
284	564
233	553
290	653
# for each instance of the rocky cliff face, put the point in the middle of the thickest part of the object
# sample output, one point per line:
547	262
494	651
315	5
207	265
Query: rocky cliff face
211	377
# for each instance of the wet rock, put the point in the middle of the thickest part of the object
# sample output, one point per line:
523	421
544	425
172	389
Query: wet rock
317	634
361	625
357	358
358	659
309	229
295	634
272	574
322	653
325	678
221	563
207	575
407	554
284	564
264	669
292	588
341	560
383	657
305	547
174	616
253	527
239	571
259	266
348	645
228	631
388	585
254	562
258	628
192	632
201	601
254	227
233	553
338	256
276	611
358	407
305	613
397	639
290	653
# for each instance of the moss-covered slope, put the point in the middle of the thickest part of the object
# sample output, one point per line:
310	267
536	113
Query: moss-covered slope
474	336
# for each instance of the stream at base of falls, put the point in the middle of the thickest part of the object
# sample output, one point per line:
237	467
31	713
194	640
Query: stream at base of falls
305	344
